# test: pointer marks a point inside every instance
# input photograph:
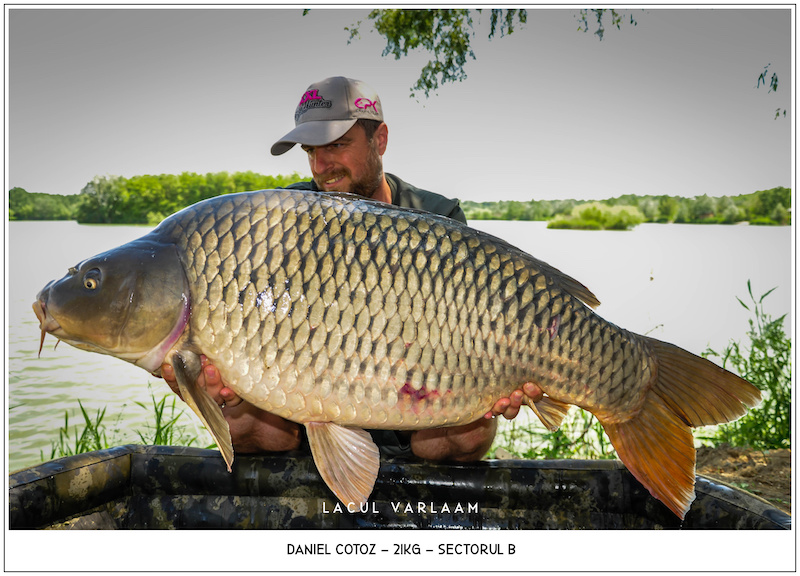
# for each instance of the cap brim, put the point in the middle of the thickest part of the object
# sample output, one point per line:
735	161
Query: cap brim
313	133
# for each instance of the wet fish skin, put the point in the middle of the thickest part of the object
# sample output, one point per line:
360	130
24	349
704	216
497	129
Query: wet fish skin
341	298
341	314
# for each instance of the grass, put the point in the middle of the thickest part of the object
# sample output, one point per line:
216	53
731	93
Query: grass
76	440
580	436
165	431
766	363
92	433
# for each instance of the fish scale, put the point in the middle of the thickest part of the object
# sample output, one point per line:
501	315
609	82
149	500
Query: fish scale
397	318
341	313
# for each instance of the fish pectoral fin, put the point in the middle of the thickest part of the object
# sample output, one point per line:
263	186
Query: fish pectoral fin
347	459
187	368
550	411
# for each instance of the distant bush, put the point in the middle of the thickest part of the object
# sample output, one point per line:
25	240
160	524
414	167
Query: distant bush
598	216
574	224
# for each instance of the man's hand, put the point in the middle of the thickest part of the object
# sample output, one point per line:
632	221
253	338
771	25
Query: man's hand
470	442
509	407
252	429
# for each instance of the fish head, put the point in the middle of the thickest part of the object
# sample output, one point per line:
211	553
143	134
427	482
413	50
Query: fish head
131	302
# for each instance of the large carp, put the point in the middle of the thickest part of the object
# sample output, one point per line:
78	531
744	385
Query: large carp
342	313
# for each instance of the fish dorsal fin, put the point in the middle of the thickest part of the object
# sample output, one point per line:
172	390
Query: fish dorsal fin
578	290
568	283
551	412
347	459
187	368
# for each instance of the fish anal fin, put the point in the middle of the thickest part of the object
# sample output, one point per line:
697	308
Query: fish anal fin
347	459
657	447
187	368
550	411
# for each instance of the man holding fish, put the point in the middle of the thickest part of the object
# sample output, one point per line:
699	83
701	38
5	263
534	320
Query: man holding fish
343	314
339	124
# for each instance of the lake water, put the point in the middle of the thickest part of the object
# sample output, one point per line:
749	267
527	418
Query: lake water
676	282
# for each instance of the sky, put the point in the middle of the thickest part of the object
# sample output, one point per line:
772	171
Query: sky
668	106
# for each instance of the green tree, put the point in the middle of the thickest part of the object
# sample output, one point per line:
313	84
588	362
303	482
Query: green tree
780	214
101	201
728	211
648	206
24	205
447	35
704	208
668	207
764	202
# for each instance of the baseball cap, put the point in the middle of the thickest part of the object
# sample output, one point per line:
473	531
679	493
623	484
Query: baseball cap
327	110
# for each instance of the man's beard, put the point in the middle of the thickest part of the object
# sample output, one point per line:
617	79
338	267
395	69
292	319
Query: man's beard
369	182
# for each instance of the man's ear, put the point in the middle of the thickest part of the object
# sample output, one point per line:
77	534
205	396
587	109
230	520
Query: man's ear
382	137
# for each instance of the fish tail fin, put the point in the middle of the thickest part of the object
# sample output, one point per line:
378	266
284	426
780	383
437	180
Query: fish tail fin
657	444
697	390
657	447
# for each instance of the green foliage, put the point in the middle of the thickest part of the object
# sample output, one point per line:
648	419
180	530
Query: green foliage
446	34
599	216
580	436
766	363
762	207
164	431
703	209
147	199
72	440
574	224
668	207
600	15
773	87
24	205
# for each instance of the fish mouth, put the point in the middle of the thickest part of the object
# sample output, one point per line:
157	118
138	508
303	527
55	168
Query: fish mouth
47	323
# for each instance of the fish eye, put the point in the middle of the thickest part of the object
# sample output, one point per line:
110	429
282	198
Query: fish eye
91	280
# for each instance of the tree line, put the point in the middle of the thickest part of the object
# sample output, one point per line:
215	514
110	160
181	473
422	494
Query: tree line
145	199
763	207
148	199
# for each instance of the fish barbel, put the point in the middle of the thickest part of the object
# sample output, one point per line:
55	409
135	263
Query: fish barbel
342	313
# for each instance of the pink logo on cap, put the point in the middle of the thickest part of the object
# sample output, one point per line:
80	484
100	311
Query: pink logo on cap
365	103
310	95
311	100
